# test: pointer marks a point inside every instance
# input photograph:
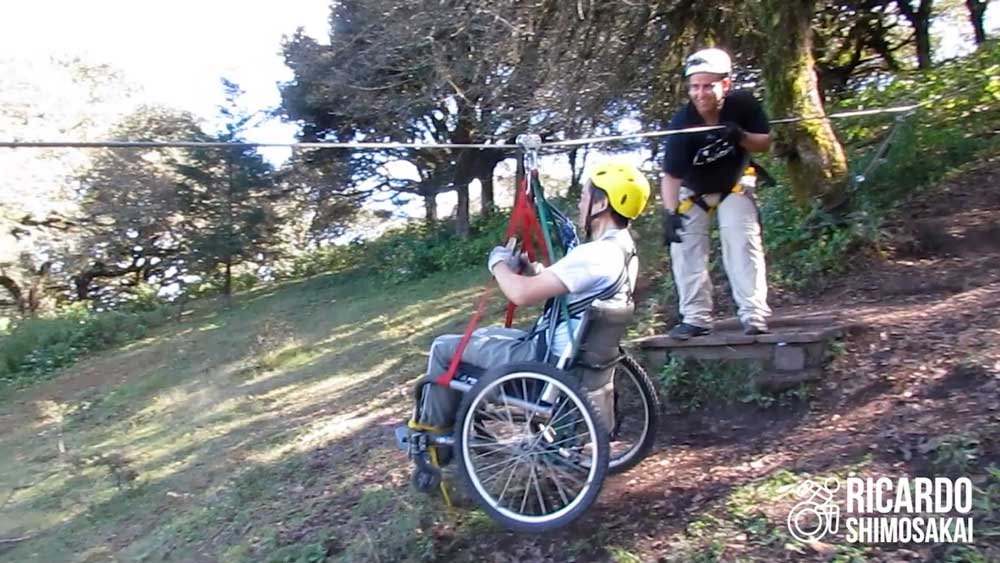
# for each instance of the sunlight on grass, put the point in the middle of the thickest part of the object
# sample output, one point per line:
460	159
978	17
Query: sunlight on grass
328	388
319	434
291	356
326	431
211	411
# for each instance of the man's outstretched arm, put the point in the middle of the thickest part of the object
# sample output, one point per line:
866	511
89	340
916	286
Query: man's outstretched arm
528	290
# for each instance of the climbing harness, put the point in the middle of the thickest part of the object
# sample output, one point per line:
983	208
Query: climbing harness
747	183
531	223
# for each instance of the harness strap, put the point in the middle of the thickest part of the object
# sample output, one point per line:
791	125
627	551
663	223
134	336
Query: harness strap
523	222
576	308
697	199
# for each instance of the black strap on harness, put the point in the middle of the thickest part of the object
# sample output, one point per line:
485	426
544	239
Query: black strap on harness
763	176
700	201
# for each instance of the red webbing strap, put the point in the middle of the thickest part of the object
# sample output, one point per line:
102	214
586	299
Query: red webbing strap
446	377
523	223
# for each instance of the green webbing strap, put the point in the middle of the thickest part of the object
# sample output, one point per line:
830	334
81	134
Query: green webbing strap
543	218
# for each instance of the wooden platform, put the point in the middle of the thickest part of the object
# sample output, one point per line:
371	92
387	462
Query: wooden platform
793	352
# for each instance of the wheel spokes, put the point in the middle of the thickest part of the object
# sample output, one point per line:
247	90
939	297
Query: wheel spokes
527	462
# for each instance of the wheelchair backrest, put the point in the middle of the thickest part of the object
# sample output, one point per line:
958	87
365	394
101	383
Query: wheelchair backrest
602	329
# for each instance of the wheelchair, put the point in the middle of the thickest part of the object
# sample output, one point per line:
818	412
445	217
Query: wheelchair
532	447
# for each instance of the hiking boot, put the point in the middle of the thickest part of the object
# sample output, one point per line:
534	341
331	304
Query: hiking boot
684	331
754	327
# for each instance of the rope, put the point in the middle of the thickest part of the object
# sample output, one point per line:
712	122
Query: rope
560	305
878	157
416	146
245	145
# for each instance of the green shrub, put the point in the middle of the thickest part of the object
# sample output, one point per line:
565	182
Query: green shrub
37	347
954	125
408	253
691	384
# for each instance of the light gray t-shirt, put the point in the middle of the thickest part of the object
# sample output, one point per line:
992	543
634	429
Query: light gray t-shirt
591	268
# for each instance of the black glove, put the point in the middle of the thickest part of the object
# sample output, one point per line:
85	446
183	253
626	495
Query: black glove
732	132
673	224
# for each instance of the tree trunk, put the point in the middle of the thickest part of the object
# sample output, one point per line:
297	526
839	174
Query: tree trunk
486	165
462	211
922	27
574	179
37	287
487	196
920	19
430	208
27	303
14	289
977	11
85	278
519	176
817	166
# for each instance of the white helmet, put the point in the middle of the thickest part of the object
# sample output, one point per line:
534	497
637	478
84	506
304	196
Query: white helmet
715	61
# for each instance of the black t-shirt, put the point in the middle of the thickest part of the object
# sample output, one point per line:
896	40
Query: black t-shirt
705	163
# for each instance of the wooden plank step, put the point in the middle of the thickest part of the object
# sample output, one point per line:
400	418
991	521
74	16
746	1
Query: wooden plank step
789	330
792	353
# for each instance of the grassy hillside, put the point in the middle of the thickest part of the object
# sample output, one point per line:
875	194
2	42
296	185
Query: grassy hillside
195	443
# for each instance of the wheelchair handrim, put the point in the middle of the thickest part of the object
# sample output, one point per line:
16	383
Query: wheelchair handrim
474	477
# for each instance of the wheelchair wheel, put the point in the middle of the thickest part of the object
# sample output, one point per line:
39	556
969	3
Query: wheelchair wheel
530	448
637	414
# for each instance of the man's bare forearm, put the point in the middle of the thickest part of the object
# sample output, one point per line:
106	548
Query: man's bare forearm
670	189
756	142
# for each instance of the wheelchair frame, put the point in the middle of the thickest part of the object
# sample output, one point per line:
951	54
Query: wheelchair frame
554	387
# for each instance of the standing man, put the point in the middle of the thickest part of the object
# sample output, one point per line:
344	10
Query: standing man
710	171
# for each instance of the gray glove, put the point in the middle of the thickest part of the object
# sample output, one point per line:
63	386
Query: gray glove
503	254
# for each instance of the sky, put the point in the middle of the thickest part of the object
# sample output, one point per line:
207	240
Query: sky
177	51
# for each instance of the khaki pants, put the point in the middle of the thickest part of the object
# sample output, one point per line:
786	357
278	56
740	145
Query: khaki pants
489	348
742	256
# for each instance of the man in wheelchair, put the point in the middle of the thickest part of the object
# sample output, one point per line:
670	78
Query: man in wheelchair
601	271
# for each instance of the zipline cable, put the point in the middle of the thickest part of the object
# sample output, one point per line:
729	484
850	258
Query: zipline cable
418	146
839	115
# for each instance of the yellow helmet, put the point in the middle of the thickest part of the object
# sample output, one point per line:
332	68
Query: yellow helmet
626	186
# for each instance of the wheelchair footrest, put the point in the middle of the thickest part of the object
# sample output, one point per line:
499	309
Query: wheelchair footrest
413	442
403	438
